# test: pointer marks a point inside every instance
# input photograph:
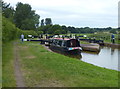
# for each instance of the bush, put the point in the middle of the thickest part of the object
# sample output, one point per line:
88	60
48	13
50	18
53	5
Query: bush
27	32
11	32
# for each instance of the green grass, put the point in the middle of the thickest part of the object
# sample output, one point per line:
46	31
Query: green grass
84	42
43	68
103	36
8	79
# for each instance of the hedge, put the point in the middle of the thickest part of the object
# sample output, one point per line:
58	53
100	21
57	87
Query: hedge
11	32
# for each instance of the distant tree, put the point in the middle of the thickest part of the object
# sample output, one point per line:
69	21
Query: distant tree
65	29
44	29
89	30
86	27
114	31
42	22
72	29
108	28
48	21
25	18
57	32
56	29
77	30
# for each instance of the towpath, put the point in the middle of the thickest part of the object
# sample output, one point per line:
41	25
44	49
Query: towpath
112	45
17	68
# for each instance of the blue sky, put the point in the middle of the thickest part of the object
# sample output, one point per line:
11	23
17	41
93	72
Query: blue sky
77	13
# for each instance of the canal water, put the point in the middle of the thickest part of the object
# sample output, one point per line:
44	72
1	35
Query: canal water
107	58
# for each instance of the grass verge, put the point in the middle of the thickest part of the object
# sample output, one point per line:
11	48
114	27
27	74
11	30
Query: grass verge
8	79
42	68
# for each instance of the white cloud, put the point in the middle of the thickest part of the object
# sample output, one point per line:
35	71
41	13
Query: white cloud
94	13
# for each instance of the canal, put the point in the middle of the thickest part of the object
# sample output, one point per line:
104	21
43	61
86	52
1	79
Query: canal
107	58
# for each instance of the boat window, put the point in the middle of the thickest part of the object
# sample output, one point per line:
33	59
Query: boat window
64	43
73	43
54	42
60	43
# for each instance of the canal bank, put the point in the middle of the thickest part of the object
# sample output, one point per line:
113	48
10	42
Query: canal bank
49	69
107	57
104	56
112	45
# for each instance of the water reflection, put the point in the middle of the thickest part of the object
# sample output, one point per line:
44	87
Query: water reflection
107	58
88	52
112	51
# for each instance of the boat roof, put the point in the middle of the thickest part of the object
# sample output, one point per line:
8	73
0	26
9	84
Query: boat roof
62	38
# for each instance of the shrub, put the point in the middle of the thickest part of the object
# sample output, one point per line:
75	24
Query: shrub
11	32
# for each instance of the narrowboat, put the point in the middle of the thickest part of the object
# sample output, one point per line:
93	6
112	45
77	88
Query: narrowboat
65	46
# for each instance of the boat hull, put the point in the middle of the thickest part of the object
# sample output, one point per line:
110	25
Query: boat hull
64	50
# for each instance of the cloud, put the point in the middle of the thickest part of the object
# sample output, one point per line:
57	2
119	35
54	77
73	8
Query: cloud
94	13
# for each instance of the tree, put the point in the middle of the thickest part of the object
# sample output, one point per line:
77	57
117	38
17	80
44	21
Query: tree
25	18
44	29
108	28
42	22
4	5
72	29
65	29
7	11
114	31
36	20
48	21
55	29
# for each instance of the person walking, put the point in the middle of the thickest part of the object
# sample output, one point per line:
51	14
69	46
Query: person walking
22	37
113	38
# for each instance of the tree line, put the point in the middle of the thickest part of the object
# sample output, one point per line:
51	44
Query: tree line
57	29
27	21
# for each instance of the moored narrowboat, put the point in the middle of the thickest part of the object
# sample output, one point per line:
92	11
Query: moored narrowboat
66	46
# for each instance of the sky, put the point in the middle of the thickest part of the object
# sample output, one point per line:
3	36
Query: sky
77	13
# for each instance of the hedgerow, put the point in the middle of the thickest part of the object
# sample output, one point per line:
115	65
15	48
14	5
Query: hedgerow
11	32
